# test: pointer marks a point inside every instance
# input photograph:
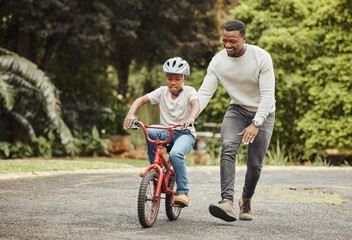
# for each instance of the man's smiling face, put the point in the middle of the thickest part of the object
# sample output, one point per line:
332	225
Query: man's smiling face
234	43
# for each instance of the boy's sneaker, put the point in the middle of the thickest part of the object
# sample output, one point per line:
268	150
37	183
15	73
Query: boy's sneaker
245	209
182	200
223	210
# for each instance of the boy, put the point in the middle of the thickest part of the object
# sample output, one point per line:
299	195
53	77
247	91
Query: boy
178	104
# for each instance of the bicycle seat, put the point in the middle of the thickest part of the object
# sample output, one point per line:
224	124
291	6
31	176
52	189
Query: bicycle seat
168	147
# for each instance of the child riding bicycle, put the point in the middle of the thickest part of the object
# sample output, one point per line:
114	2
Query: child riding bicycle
178	104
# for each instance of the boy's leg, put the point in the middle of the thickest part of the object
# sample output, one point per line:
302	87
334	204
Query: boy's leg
153	134
183	143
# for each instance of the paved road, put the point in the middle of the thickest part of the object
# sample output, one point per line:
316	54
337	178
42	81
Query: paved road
290	203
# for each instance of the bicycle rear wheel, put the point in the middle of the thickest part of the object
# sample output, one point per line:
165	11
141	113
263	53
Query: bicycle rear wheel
148	205
172	212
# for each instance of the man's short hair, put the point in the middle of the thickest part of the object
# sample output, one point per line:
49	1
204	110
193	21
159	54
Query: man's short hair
236	25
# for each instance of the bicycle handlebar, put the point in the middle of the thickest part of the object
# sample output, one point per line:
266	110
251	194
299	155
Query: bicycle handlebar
137	125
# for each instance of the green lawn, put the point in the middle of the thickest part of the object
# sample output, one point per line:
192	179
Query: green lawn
37	165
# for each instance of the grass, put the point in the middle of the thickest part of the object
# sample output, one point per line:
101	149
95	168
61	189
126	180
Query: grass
38	165
276	156
320	161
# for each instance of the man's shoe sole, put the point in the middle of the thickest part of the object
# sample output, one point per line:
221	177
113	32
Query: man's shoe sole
218	212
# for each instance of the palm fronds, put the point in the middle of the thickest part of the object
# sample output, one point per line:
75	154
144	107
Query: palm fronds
22	73
7	94
19	120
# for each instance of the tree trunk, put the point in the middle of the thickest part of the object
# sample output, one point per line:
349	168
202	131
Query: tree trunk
23	43
49	51
122	66
27	45
18	134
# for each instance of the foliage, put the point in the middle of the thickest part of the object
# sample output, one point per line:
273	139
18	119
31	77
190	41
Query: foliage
112	120
92	144
214	149
87	87
241	156
346	164
310	42
34	29
31	84
5	149
117	32
46	146
319	161
276	156
77	43
15	150
69	40
163	29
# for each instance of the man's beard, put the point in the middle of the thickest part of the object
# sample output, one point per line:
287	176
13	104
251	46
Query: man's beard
232	53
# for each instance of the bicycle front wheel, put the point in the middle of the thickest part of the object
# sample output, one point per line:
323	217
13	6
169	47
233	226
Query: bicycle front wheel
148	205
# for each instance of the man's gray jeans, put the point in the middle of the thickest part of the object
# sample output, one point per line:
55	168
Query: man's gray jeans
236	119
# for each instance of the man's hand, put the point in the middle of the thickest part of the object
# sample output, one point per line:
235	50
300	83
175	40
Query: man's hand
194	113
189	121
128	121
249	134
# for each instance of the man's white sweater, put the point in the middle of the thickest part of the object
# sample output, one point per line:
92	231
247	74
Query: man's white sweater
249	80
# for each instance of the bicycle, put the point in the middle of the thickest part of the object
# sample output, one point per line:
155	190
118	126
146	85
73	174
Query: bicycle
158	178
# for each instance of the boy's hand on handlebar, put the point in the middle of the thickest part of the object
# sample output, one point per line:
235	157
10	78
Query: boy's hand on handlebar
128	121
188	122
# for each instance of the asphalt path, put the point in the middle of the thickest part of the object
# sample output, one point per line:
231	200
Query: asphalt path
289	203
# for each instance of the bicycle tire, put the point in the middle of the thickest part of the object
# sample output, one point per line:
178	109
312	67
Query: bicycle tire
148	206
172	212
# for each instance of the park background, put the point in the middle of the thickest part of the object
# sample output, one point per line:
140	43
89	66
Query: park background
69	70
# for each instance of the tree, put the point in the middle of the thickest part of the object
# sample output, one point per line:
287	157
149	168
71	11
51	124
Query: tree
75	35
34	29
150	31
69	34
21	82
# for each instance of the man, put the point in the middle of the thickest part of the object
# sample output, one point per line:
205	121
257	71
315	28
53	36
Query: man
246	72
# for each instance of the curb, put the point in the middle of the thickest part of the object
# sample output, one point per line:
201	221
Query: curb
189	169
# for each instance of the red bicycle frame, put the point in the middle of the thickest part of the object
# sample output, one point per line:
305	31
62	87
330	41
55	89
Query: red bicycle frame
160	162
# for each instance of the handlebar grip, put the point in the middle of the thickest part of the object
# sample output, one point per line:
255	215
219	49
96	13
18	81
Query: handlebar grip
135	125
194	124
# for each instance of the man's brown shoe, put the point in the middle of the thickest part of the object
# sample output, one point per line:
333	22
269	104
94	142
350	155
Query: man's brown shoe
245	209
223	210
182	200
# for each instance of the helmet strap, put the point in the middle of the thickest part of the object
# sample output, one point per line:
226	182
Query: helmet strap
176	94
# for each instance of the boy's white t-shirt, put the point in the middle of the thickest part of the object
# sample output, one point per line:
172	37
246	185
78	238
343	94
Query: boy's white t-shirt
173	111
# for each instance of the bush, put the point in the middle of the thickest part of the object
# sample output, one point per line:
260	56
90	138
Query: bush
91	144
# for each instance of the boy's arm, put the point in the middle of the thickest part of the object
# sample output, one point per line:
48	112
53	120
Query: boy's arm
194	113
139	102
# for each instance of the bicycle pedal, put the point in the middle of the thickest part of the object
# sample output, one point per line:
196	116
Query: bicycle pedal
179	206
